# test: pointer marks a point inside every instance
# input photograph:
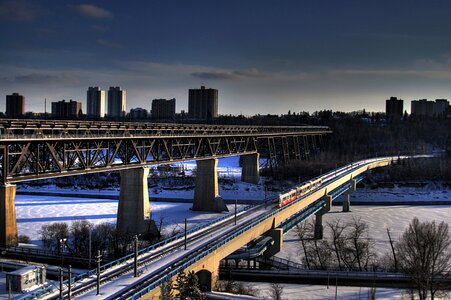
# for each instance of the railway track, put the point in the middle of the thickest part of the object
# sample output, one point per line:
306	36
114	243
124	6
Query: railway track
80	288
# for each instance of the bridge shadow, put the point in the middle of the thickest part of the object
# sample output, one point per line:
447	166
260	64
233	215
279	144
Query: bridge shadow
68	218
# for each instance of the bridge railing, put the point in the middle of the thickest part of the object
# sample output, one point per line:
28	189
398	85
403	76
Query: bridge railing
107	266
167	275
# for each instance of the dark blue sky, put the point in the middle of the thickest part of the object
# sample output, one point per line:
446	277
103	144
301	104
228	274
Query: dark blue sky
263	56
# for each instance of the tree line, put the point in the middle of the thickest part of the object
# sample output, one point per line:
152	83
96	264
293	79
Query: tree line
422	252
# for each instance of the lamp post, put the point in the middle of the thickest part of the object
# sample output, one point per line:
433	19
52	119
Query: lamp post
62	244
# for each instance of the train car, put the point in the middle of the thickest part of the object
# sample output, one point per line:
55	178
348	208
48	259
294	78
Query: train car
286	198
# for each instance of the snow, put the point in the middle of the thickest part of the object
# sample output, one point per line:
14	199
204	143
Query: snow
34	211
319	292
378	218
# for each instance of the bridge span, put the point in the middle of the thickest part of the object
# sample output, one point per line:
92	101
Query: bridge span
206	246
37	149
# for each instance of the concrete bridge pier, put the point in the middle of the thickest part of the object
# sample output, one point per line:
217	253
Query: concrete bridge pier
206	193
250	164
277	236
318	234
347	196
8	225
133	212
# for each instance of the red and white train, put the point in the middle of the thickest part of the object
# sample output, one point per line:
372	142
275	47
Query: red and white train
294	194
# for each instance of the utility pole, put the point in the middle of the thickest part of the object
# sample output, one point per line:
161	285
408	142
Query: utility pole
98	257
61	276
186	227
69	287
90	249
136	257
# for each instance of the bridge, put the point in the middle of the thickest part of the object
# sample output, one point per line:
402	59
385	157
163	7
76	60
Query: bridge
37	149
203	247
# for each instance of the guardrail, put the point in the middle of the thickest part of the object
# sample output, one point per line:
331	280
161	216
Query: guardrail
165	276
123	259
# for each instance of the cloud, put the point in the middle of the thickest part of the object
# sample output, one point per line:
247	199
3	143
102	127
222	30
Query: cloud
252	73
230	75
427	73
214	75
93	11
46	78
108	44
19	10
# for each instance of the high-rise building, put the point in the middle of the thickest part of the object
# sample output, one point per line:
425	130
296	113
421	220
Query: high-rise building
15	105
441	107
429	108
203	103
95	102
394	108
163	109
117	99
63	109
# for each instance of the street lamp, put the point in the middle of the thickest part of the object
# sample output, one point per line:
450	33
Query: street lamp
62	244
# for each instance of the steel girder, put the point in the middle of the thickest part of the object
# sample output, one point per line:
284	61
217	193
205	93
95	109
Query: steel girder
27	160
45	149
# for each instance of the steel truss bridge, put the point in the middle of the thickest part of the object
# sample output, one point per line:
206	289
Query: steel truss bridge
35	149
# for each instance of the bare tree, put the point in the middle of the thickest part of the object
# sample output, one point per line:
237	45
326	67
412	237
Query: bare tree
276	291
424	254
361	247
79	237
52	234
338	239
304	232
395	262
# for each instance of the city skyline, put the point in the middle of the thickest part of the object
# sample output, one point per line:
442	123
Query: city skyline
262	57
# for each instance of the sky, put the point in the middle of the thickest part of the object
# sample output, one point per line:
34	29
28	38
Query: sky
263	56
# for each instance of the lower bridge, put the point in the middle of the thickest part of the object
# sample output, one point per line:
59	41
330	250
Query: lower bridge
324	277
202	249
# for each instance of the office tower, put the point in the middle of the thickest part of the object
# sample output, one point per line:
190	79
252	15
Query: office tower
95	102
163	109
203	103
69	110
394	108
15	105
116	102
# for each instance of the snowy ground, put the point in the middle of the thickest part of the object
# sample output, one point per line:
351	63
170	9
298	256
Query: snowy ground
378	218
35	211
320	292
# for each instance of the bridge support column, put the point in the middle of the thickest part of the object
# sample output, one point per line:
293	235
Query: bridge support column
8	225
250	164
318	234
133	213
277	236
206	194
347	196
